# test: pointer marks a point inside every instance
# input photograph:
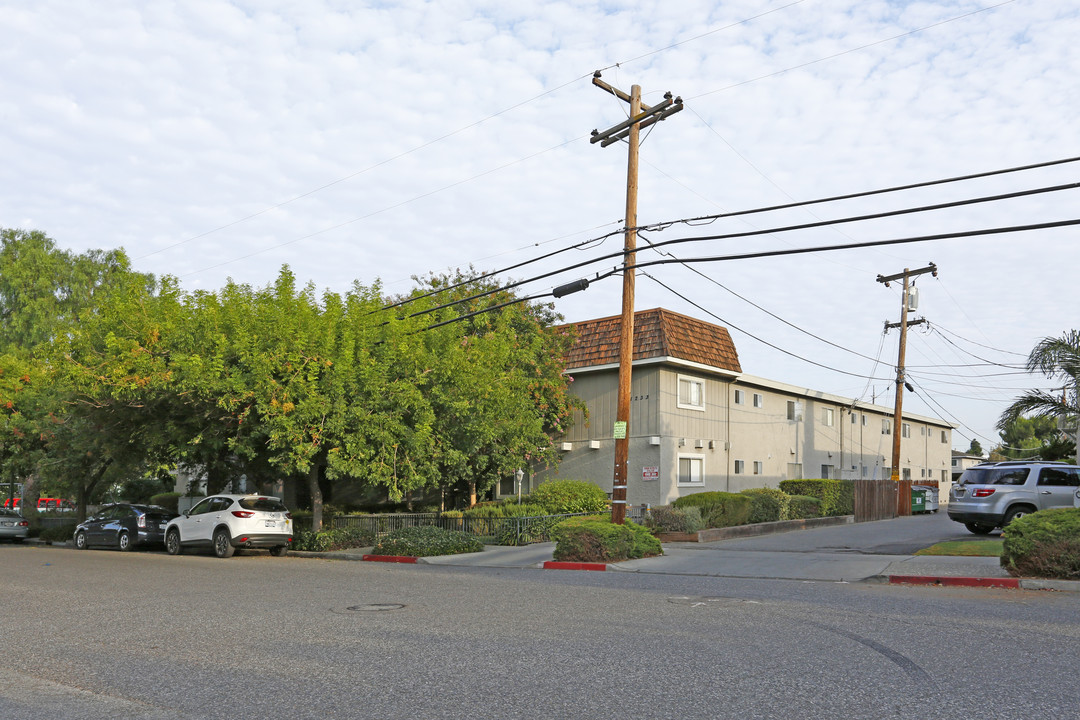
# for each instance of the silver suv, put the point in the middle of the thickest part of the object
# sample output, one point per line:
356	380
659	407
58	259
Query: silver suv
992	495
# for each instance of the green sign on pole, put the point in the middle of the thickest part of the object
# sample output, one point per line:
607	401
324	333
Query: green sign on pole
620	430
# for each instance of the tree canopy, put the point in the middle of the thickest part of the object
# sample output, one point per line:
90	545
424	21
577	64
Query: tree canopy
113	374
1038	418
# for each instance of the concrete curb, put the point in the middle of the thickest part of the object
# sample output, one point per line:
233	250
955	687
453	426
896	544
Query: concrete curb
993	582
559	565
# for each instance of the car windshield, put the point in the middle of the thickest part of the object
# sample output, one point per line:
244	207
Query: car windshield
266	504
995	476
9	513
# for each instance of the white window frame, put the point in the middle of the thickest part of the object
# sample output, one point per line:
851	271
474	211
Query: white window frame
701	469
740	467
828	417
886	426
740	397
679	393
905	430
759	467
759	400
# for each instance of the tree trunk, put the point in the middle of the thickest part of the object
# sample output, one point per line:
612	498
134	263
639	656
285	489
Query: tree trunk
316	498
472	493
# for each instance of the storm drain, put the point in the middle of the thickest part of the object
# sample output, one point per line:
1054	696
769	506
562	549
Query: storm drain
371	608
707	601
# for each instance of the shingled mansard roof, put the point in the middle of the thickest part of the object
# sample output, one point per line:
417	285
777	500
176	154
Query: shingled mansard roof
658	333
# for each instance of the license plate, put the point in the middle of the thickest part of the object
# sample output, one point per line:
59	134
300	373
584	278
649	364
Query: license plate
271	523
162	526
7	524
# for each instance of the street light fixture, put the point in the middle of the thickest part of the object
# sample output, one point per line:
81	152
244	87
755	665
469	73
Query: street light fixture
518	476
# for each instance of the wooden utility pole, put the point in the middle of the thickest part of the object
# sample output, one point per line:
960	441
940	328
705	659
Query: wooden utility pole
903	499
641	116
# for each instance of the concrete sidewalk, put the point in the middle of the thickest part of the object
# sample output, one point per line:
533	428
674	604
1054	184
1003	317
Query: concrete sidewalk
881	551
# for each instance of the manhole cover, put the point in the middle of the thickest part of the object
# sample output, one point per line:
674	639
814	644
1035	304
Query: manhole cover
375	607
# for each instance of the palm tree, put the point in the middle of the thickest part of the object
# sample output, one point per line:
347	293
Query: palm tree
1054	357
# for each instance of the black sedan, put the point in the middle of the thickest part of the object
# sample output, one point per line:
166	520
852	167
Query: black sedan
124	526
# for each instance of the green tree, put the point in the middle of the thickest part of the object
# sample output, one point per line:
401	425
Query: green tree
975	448
496	382
1056	358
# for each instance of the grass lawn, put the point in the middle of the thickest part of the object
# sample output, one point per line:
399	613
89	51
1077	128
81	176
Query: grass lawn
967	548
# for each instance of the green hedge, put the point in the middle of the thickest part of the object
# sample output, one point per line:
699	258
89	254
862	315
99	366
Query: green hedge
676	520
562	497
58	533
767	504
801	507
426	541
718	509
1045	544
837	496
597	539
346	538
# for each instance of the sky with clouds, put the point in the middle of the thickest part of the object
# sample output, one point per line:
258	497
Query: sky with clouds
370	142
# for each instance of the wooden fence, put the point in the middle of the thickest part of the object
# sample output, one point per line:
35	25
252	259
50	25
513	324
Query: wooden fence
877	499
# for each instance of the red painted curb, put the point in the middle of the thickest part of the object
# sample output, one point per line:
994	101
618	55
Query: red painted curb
1013	583
390	558
556	565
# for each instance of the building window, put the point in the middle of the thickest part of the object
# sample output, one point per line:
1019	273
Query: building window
886	426
906	474
905	429
826	472
759	400
944	476
738	467
854	418
691	393
739	396
794	410
827	417
691	470
922	431
944	438
759	468
864	471
864	421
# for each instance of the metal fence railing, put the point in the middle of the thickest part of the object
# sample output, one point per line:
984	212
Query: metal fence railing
490	530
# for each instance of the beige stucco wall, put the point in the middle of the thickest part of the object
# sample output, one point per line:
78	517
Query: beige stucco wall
770	446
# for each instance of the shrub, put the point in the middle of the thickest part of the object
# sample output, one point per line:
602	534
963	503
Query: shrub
569	496
718	509
672	519
1044	544
58	533
837	496
597	539
767	504
426	541
168	500
801	507
345	538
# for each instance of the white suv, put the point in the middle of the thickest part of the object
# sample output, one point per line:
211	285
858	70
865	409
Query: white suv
228	522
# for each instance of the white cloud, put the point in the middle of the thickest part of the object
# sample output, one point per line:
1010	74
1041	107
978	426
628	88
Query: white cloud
444	123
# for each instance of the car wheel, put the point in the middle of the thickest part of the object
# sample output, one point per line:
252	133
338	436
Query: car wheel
124	542
172	542
80	540
279	551
1015	513
223	547
979	529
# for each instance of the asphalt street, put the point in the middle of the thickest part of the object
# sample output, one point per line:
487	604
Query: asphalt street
104	634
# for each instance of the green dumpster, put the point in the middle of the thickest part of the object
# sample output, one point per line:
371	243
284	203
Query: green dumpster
918	501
